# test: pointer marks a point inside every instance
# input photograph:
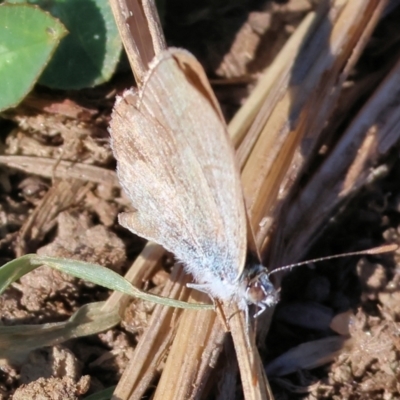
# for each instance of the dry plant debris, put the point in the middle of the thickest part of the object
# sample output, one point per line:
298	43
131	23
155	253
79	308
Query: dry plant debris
62	199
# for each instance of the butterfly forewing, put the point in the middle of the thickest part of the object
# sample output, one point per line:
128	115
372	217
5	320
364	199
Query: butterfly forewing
176	164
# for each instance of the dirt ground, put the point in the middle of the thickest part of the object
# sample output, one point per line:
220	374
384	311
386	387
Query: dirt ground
350	305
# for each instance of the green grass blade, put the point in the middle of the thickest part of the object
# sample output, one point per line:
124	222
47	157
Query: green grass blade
94	273
17	341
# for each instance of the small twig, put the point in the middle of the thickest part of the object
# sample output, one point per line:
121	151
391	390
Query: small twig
140	30
50	167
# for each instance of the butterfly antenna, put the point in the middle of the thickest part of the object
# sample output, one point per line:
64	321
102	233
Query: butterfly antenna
387	248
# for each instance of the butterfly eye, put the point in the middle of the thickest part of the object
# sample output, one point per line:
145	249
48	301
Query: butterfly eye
261	292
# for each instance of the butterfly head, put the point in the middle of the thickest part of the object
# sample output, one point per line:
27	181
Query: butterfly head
260	291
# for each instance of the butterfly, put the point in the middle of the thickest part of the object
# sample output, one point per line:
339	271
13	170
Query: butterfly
177	165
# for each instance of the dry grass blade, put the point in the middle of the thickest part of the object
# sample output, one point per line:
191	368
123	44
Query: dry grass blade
140	31
62	195
154	343
321	65
283	134
197	344
189	355
250	113
371	135
51	168
254	381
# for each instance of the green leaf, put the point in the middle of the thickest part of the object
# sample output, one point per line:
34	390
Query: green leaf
94	273
89	55
29	37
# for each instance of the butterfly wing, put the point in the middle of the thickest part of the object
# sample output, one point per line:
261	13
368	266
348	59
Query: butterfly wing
177	165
